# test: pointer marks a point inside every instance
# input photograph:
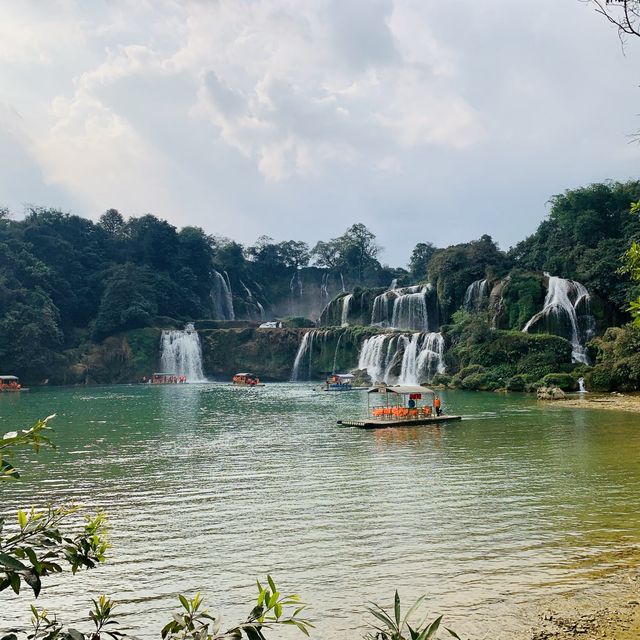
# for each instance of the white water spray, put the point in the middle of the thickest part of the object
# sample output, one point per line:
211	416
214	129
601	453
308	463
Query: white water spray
422	357
559	315
181	353
475	295
222	297
346	307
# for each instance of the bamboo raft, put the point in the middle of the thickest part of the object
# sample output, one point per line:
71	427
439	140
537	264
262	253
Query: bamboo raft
399	406
384	424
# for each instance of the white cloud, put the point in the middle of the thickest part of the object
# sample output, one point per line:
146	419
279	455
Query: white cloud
262	110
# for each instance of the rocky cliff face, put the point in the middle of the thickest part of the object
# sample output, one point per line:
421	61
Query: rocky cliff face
269	353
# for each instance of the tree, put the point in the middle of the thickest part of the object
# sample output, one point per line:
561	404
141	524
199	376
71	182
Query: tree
419	261
624	14
128	302
632	267
354	253
112	222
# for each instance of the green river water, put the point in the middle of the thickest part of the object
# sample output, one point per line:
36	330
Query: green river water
208	487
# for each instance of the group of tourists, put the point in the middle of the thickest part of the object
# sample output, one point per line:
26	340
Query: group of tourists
10	385
160	378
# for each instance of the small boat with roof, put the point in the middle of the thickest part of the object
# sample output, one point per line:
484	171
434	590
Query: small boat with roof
401	406
247	380
339	382
11	383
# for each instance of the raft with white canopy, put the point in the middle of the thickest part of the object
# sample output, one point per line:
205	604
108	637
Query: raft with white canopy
400	406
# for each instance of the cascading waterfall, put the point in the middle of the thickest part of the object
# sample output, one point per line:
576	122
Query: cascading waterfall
422	356
566	312
335	353
305	353
476	294
222	297
410	309
342	281
253	301
324	291
181	354
404	308
346	306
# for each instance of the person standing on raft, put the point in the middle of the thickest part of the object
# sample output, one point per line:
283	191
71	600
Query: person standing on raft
436	406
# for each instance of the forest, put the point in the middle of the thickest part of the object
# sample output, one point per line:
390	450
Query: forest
68	284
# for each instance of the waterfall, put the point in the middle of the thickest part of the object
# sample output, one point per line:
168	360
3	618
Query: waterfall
420	356
410	309
373	357
559	315
346	306
253	300
305	350
342	281
222	298
382	310
475	295
181	354
394	284
335	353
324	290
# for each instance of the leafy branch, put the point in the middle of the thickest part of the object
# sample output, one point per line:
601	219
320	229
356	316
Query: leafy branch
270	610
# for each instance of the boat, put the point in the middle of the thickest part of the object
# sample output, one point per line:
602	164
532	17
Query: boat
339	382
163	377
400	406
11	383
247	380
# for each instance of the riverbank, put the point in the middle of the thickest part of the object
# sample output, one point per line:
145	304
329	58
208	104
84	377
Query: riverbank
607	608
615	401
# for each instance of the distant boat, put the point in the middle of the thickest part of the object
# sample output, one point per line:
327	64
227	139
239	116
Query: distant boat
247	380
400	406
11	383
339	382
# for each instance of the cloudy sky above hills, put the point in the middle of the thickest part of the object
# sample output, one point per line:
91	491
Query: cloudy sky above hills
424	119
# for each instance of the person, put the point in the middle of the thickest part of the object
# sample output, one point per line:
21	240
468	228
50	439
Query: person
436	406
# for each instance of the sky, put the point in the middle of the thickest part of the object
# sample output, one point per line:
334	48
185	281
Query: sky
426	120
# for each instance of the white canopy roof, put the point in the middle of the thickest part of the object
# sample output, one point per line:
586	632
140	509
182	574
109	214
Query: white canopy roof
404	389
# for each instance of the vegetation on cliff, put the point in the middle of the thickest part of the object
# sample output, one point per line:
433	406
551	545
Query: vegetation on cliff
74	294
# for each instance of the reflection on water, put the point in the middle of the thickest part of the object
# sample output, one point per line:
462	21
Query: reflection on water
209	486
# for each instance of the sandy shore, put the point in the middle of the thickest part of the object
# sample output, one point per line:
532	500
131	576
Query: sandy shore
613	614
609	401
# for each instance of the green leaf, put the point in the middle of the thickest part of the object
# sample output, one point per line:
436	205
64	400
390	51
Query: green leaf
272	584
396	608
11	562
183	601
22	519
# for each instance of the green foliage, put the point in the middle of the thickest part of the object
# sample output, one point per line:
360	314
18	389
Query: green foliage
271	609
36	547
566	381
522	297
395	626
297	322
354	253
453	269
419	260
516	383
632	267
617	356
489	359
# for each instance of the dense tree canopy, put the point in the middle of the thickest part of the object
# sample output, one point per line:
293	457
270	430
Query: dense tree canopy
66	281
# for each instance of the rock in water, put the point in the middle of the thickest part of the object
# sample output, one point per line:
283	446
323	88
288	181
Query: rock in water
551	393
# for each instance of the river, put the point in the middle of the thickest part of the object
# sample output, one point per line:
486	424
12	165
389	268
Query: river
208	487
